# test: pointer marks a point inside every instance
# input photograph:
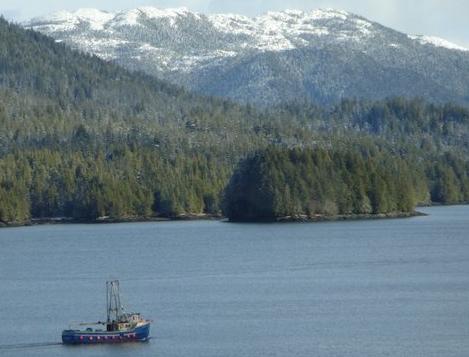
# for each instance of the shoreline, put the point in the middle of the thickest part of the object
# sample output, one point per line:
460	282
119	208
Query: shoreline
333	218
219	217
108	220
211	217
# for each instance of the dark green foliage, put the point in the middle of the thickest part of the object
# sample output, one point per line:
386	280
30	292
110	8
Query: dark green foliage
449	180
398	120
360	179
292	182
83	138
45	183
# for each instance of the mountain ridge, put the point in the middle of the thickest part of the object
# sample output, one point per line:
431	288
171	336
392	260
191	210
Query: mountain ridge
99	19
198	51
88	139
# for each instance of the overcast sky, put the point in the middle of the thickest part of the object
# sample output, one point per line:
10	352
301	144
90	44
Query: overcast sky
444	18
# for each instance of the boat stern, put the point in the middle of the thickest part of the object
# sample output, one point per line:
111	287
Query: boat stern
70	337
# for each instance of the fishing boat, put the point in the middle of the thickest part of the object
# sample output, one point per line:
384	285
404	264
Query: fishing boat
119	326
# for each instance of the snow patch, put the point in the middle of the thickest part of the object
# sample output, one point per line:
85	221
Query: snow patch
437	42
127	18
65	20
225	35
327	14
363	26
155	13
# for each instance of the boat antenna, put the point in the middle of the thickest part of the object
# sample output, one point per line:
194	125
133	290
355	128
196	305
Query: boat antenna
113	301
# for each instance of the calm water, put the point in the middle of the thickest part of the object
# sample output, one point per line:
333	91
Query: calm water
374	288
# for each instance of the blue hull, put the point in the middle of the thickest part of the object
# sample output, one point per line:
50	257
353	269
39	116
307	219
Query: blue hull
76	337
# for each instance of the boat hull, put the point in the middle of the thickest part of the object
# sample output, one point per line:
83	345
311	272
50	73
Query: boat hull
77	337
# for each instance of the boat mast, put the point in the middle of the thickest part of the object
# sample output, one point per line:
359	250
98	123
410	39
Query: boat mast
113	301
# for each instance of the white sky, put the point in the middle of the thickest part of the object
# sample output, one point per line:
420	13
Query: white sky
448	19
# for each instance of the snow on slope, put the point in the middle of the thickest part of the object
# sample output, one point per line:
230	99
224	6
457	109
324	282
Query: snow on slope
180	40
437	41
270	32
67	21
132	17
323	54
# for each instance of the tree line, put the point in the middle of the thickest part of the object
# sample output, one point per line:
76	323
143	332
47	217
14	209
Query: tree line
274	182
280	182
124	184
84	138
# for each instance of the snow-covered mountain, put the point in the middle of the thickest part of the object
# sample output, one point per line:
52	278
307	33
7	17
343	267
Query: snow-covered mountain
322	55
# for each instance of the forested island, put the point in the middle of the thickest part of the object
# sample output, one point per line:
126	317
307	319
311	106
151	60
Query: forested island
316	184
84	139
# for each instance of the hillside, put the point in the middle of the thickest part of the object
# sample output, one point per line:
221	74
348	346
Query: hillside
48	90
85	139
321	56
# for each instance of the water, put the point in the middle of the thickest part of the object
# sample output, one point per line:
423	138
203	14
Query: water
365	288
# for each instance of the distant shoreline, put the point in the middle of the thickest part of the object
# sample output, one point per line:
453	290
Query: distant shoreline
106	220
333	218
217	217
211	217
